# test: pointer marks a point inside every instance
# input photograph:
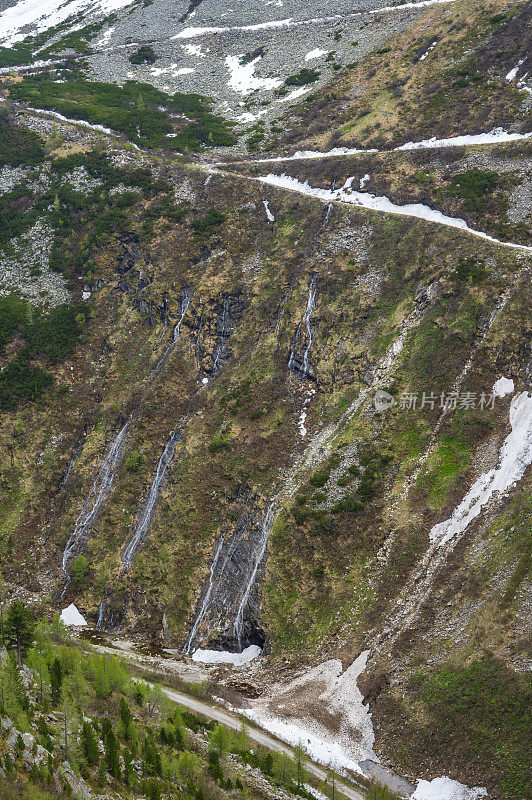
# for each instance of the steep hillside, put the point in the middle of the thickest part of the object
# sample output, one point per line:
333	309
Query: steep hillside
265	357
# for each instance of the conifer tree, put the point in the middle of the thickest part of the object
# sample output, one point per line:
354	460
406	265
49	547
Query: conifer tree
89	744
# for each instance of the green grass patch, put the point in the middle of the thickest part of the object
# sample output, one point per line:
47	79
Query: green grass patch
481	714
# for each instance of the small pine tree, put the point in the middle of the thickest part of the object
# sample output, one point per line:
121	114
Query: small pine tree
125	718
112	750
20	628
56	680
129	772
102	774
89	744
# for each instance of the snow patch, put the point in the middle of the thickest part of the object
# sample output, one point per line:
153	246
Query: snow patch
383	204
269	214
224	657
339	695
40	15
364	180
426	53
513	72
493	137
191	32
503	386
295	94
242	78
316	53
194	50
83	123
446	789
71	616
515	456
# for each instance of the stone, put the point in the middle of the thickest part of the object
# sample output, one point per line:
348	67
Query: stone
78	786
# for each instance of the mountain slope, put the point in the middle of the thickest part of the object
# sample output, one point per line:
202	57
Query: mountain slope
287	402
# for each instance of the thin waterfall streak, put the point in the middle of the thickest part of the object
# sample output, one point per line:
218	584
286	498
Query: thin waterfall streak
101	612
186	297
220	347
267	526
99	492
206	599
185	303
311	300
144	522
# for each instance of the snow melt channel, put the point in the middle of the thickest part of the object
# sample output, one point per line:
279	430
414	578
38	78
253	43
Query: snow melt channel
382	204
514	457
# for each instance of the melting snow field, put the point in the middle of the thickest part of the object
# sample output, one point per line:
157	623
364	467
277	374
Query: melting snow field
446	789
367	200
242	78
514	457
71	616
224	657
334	690
289	22
41	15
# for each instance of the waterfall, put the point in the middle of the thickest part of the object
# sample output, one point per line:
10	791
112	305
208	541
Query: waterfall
206	599
145	517
184	303
311	299
294	362
94	501
267	526
217	585
326	215
101	612
222	336
186	297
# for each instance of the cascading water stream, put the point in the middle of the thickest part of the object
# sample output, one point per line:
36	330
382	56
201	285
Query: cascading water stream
219	567
184	303
311	300
144	521
186	297
204	606
267	525
295	363
101	612
222	336
94	501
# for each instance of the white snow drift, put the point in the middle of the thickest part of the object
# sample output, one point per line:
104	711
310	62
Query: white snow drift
289	22
71	616
242	78
366	200
224	657
40	15
515	456
446	789
338	693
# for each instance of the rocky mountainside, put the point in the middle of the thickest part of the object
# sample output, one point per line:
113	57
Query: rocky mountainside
266	356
